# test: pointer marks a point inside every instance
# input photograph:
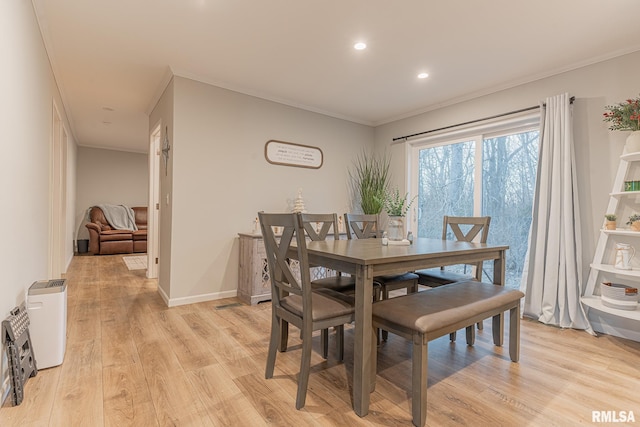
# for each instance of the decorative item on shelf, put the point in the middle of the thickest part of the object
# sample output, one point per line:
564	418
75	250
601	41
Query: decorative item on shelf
634	222
624	253
631	185
397	207
625	116
610	223
298	204
619	296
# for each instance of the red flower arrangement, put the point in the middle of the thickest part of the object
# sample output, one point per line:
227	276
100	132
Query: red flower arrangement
624	116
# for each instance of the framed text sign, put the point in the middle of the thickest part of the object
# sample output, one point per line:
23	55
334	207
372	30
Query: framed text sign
290	154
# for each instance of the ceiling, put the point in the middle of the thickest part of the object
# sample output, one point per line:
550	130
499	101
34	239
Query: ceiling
112	59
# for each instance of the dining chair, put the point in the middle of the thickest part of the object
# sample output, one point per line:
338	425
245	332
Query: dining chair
366	226
464	229
362	226
318	227
293	300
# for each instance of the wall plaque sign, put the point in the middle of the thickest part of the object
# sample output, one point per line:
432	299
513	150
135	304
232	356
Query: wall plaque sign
290	154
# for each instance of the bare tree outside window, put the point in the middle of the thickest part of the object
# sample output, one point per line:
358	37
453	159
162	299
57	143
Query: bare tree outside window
446	184
509	166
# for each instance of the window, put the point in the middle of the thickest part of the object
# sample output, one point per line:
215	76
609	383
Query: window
490	172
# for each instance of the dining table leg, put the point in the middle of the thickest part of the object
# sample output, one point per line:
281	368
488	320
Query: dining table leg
363	380
497	325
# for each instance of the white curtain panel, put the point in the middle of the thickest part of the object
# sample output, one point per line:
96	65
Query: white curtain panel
552	277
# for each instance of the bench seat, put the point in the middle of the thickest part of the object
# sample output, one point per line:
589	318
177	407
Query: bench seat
424	316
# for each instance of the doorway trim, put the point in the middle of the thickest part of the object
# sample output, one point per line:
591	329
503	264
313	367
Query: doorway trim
153	241
57	195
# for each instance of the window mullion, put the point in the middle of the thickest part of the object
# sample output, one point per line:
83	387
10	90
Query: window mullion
477	176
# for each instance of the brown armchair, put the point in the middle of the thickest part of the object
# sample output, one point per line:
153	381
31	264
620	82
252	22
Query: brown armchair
104	239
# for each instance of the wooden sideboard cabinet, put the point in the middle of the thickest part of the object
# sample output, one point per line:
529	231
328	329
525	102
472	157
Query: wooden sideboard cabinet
254	285
253	273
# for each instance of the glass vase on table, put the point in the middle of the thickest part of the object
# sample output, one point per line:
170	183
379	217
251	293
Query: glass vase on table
396	228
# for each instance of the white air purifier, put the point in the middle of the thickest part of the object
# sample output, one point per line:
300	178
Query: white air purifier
47	310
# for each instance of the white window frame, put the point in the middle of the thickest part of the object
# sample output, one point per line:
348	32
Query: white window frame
523	122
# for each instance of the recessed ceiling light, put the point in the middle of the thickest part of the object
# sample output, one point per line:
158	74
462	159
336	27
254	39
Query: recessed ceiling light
423	75
360	46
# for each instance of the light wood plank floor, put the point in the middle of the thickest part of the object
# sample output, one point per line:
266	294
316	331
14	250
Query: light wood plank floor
131	361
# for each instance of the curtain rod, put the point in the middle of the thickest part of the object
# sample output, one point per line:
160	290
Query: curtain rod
573	98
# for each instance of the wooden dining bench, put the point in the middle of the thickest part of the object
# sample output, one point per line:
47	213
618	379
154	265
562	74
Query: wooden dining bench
424	316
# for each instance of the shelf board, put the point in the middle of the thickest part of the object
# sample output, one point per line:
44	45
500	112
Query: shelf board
622	232
635	272
624	193
595	302
631	157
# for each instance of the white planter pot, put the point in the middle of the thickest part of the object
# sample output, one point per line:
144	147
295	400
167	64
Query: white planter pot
633	143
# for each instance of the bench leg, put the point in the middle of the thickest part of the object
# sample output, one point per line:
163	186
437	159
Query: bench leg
514	333
471	334
419	367
340	339
498	329
324	343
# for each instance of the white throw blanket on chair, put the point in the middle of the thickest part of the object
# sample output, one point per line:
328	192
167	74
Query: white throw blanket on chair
119	217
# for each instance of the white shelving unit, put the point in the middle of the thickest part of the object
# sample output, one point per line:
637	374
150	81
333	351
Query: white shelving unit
622	323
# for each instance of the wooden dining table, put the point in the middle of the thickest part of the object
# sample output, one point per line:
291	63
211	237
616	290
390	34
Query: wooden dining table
366	258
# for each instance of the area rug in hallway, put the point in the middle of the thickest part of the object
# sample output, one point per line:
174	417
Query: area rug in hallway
138	262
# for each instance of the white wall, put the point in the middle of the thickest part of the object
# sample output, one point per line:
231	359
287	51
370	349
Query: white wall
109	177
28	91
221	178
597	149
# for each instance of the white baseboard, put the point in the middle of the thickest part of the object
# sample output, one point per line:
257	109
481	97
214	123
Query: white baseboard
164	296
174	302
69	262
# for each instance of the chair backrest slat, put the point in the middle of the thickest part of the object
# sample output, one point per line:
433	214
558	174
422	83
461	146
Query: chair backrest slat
318	226
478	226
362	226
286	276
